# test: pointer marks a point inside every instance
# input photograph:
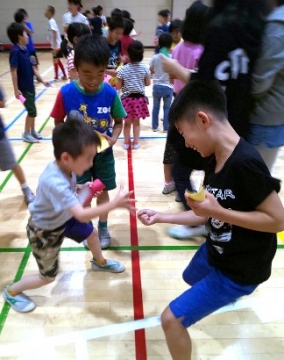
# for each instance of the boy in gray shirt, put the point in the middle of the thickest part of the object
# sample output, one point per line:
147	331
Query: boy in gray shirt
57	213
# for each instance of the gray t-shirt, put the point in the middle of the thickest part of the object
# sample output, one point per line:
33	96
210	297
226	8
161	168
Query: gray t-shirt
55	195
160	77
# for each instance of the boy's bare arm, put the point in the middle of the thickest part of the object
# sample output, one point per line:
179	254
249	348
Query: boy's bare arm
122	200
2	103
267	217
117	128
58	121
14	76
150	217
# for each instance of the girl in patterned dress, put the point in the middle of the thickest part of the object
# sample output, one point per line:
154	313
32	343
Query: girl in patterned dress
132	79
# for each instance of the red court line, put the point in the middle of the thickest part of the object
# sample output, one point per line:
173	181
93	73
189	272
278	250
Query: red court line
140	339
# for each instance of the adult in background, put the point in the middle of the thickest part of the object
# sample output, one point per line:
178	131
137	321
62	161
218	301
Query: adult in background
266	121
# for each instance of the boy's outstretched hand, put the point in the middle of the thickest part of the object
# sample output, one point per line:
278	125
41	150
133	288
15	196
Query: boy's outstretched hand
147	216
123	200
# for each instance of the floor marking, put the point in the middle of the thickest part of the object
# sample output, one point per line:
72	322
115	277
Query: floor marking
46	343
140	338
79	338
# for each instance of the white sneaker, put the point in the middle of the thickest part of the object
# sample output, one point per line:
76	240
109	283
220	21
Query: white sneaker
181	232
168	188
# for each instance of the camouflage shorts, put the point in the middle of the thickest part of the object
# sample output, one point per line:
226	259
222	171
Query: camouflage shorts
45	246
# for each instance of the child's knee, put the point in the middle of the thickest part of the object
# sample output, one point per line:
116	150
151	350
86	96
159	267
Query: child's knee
167	319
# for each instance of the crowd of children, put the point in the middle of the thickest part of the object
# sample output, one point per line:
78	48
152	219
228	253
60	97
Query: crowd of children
106	93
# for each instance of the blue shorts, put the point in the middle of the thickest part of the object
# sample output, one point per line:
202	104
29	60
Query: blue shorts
210	290
77	230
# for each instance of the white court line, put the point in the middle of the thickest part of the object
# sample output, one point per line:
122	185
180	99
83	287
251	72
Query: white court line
79	338
43	74
76	336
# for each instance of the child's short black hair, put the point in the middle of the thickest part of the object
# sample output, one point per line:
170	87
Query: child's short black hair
199	95
135	51
164	13
72	137
19	16
92	49
165	40
96	10
175	25
116	12
74	30
196	18
14	30
115	22
24	11
128	26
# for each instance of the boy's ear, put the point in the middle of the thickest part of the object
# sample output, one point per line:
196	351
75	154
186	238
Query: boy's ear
204	119
64	157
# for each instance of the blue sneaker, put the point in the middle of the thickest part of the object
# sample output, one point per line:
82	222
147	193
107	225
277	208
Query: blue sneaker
111	265
21	302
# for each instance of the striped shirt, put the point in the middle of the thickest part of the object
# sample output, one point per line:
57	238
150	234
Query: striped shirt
133	78
70	62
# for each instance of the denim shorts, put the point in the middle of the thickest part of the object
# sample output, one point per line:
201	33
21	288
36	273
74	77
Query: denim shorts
210	290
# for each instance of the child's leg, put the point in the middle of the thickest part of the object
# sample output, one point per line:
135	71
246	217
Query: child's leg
30	135
177	337
19	174
99	263
168	173
62	69
167	98
210	291
45	246
156	107
136	131
28	283
29	124
169	156
126	132
55	64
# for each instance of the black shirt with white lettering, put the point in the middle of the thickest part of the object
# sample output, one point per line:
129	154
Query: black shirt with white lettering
230	51
242	184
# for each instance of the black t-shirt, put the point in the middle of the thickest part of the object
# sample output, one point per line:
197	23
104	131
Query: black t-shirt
114	52
230	51
242	184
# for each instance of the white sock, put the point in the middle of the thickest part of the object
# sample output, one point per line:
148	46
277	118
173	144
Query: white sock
24	185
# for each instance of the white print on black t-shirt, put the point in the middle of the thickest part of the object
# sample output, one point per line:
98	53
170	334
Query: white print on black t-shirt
221	194
235	65
220	231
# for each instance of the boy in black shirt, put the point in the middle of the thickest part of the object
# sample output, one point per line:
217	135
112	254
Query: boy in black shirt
242	211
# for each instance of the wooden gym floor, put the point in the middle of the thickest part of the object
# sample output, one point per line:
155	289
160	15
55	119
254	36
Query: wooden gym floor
87	315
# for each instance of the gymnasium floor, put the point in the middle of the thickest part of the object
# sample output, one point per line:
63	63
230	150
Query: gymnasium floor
87	315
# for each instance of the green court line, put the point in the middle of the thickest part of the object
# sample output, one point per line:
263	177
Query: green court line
121	248
8	177
6	308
